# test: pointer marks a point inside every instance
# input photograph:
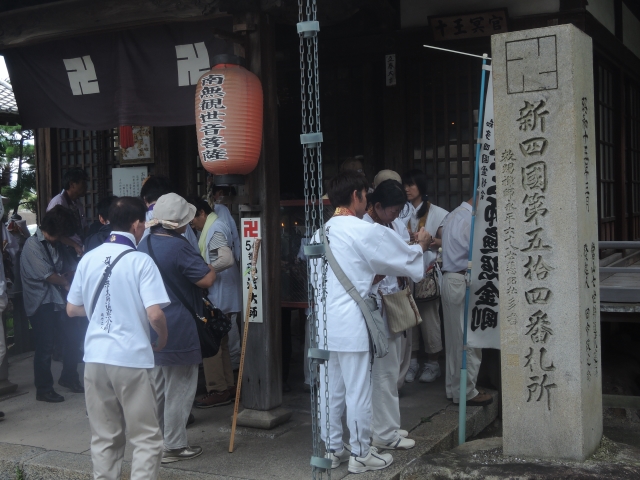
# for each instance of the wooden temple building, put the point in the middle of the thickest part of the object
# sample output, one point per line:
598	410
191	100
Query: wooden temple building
385	99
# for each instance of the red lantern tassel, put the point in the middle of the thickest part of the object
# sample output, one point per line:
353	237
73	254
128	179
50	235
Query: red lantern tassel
126	137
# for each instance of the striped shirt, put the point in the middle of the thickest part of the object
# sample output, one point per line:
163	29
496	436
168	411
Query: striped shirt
35	268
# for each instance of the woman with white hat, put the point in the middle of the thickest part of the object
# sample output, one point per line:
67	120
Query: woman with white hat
185	274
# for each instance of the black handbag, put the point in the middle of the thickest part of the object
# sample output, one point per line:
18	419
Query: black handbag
212	327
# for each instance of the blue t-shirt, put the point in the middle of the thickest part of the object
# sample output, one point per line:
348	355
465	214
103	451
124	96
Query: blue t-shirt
176	258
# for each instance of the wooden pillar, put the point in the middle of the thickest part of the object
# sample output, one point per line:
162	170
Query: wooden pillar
622	216
393	103
161	151
262	382
44	168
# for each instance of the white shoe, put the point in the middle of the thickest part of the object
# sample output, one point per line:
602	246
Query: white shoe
373	461
412	372
338	457
402	433
430	372
401	443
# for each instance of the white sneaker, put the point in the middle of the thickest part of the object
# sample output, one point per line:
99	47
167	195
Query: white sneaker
412	372
430	372
338	457
401	443
373	461
402	433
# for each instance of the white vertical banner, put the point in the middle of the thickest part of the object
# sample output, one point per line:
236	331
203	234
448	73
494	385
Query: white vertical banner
250	228
483	329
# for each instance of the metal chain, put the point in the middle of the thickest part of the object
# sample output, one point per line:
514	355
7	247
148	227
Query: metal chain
314	221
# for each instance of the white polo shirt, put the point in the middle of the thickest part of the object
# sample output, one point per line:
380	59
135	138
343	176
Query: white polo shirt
118	331
456	231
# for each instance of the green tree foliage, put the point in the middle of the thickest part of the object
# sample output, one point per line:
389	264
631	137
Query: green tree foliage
17	157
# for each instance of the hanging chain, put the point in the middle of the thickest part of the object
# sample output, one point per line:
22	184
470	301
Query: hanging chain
314	222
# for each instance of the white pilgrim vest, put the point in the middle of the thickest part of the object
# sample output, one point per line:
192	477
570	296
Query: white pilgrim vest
226	291
362	250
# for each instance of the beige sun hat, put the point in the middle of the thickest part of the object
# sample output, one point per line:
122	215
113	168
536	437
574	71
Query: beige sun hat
172	212
386	175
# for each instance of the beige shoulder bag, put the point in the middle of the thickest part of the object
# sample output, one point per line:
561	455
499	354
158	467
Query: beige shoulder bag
402	311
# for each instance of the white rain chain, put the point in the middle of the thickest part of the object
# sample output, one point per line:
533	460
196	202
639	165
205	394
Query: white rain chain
311	140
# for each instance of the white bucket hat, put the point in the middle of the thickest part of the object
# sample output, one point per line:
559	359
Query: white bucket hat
386	175
172	212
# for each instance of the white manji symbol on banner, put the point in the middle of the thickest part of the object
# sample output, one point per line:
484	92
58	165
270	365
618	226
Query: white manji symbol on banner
250	229
193	61
82	75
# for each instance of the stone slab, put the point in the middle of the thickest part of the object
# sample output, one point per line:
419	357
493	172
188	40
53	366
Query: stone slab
6	387
13	456
438	433
30	423
260	432
485	459
548	242
54	465
265	419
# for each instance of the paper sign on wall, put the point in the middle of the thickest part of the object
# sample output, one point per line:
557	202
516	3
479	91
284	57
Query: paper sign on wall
127	181
250	230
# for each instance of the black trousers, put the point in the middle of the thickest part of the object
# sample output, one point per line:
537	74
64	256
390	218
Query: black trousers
44	323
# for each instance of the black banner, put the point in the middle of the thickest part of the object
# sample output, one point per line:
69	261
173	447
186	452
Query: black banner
142	76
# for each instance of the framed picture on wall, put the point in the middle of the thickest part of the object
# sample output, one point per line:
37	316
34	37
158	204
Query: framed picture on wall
141	151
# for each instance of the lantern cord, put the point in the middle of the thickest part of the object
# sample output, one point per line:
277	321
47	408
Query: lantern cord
311	139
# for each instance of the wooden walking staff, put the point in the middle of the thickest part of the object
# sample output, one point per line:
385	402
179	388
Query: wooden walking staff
252	277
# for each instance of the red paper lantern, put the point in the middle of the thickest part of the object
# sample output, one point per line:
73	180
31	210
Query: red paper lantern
229	119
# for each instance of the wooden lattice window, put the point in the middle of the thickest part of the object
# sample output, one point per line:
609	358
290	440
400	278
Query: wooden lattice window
633	159
96	153
606	148
443	127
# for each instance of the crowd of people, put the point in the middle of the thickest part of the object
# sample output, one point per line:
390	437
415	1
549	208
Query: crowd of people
121	295
386	239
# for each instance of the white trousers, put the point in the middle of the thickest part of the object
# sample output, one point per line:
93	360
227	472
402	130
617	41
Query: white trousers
175	387
405	357
453	293
385	402
430	328
307	343
350	387
4	299
120	398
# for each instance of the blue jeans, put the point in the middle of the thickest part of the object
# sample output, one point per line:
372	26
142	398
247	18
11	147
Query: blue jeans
44	322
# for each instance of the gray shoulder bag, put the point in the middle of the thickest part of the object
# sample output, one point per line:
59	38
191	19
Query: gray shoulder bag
369	307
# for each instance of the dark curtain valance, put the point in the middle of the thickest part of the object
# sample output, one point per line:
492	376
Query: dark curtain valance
142	76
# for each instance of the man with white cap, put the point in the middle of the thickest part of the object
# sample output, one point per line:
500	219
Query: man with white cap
185	274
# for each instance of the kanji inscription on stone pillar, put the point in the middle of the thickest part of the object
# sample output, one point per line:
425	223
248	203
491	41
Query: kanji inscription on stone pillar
547	233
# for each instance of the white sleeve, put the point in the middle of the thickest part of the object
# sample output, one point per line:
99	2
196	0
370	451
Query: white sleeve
390	254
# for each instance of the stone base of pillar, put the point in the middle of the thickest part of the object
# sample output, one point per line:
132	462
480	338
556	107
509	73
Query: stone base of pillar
265	419
7	387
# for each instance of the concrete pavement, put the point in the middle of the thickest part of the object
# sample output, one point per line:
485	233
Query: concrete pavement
51	441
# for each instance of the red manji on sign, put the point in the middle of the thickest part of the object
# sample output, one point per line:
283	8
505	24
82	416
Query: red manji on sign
229	120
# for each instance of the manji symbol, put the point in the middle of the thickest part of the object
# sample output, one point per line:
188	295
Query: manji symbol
532	65
251	229
193	61
82	75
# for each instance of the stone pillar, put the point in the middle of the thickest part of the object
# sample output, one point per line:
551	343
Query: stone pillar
548	242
